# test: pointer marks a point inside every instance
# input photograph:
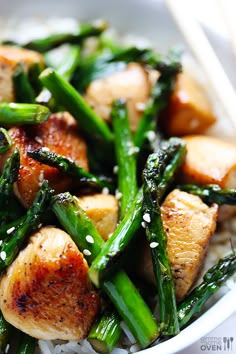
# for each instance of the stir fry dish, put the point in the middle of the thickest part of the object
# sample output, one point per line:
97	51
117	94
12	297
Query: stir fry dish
111	191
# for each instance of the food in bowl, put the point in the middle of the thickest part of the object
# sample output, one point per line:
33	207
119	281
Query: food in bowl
94	146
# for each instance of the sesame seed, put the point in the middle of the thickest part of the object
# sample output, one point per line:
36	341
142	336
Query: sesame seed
40	225
154	244
3	255
118	195
86	252
151	135
7	348
89	239
109	236
115	169
9	231
1	241
12	105
45	149
41	176
143	224
146	217
133	150
105	190
140	106
38	140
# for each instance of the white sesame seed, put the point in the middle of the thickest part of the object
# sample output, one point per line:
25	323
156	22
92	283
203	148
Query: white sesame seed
133	150
89	239
9	231
7	348
3	255
118	195
45	149
109	236
41	176
40	225
146	217
1	241
140	106
86	252
38	140
115	169
151	135
143	224
12	105
105	190
154	244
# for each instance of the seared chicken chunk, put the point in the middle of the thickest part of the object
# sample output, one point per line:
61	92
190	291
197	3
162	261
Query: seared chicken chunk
189	110
189	225
59	134
209	160
9	58
46	292
103	210
133	84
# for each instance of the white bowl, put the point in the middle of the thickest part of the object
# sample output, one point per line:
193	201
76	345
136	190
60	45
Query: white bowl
150	19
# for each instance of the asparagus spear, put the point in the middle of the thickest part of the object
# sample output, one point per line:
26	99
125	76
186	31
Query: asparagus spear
5	332
65	69
22	88
10	248
27	344
170	156
212	281
157	101
125	156
212	193
85	30
120	289
105	332
5	141
157	240
69	167
65	94
22	113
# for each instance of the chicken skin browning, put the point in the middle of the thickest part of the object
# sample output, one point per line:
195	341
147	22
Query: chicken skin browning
46	292
189	225
59	134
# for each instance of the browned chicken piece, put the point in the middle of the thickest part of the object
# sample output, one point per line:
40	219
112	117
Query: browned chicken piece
59	134
46	292
189	225
133	84
103	210
209	160
10	57
189	110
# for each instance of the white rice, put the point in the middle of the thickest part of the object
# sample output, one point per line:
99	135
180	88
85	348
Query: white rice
220	245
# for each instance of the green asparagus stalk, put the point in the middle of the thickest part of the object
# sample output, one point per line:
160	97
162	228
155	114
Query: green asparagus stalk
125	156
170	156
212	193
5	141
65	94
105	332
158	240
120	289
69	167
22	88
85	30
212	281
5	332
157	101
27	344
65	69
10	248
22	113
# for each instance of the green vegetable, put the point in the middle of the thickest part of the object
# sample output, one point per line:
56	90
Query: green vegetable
27	344
69	167
12	224
10	248
23	90
125	156
85	30
157	240
212	193
119	288
65	94
5	333
212	281
5	141
22	113
171	156
105	332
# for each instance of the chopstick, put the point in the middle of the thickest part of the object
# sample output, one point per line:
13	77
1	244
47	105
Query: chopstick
227	9
205	55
